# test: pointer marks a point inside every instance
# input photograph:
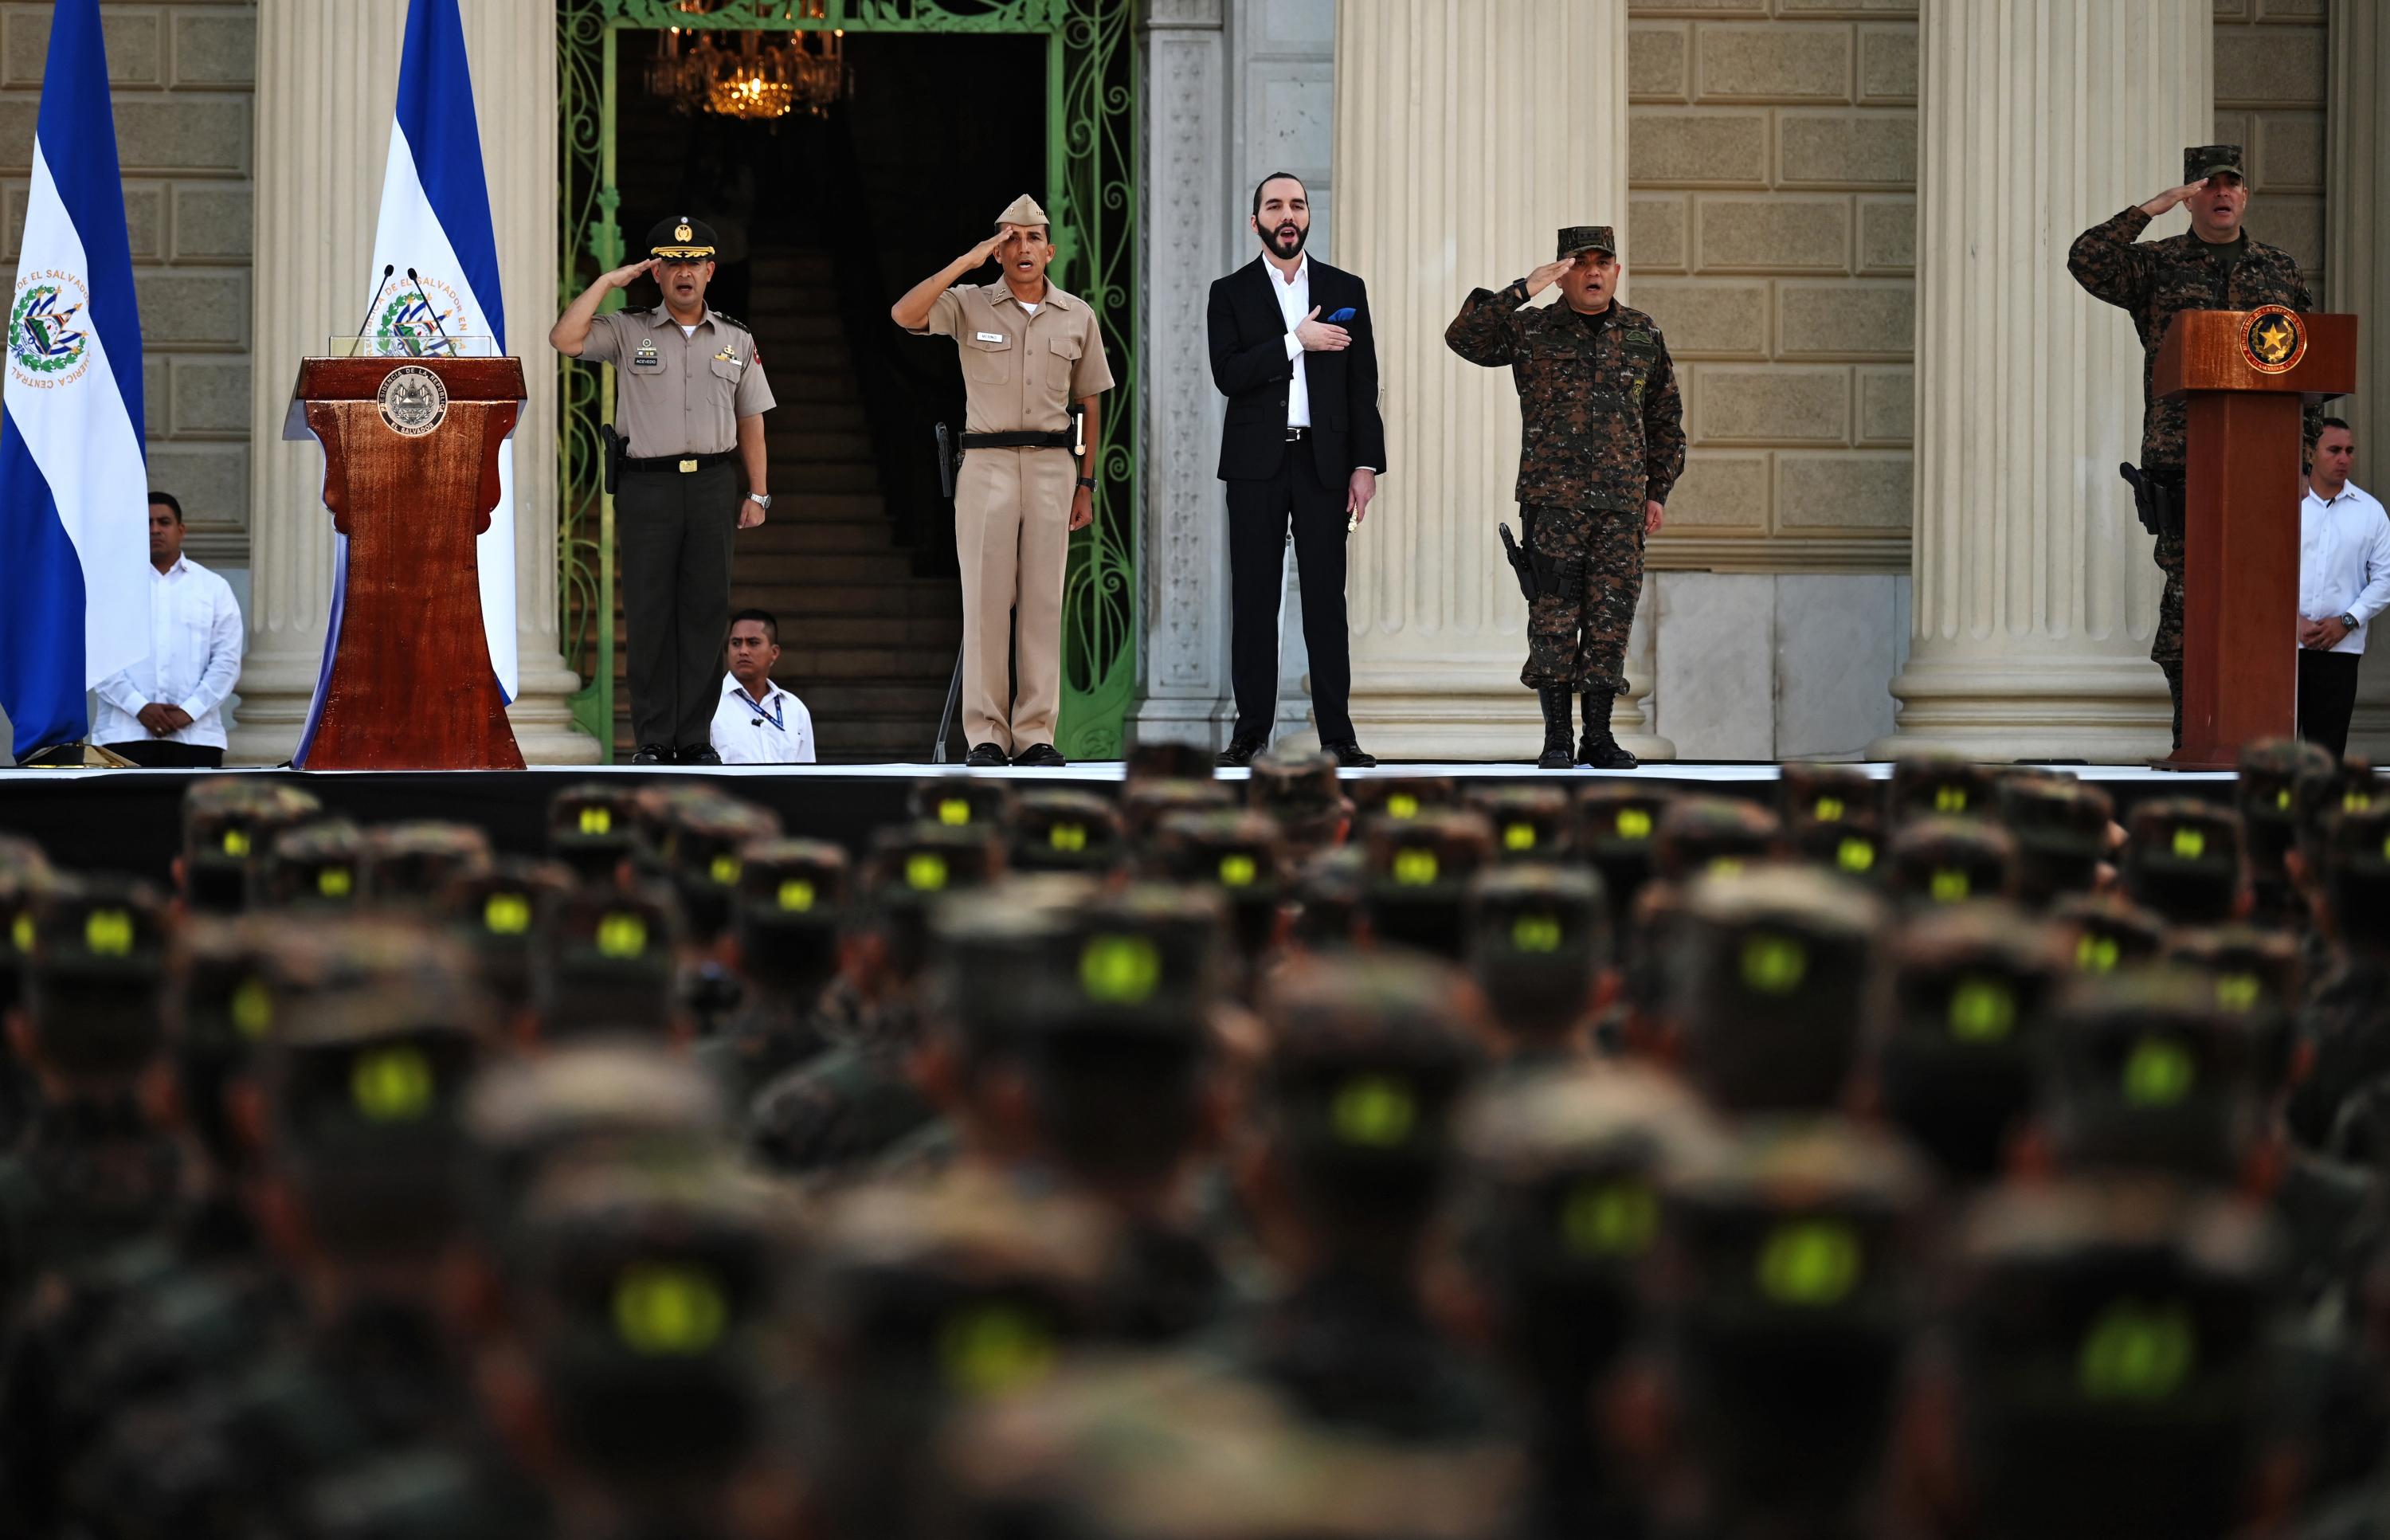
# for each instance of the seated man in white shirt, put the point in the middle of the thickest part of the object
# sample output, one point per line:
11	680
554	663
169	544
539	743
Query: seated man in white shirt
166	711
757	721
2344	583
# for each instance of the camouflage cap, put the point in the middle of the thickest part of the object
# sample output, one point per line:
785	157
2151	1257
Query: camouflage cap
912	865
957	799
95	964
791	884
704	845
1716	835
1530	823
1843	795
353	979
1144	803
604	961
2356	870
1368	1060
1401	797
1420	869
2202	162
1773	981
1151	957
612	1098
218	1005
2265	785
1168	759
1328	890
1289	785
495	909
1241	855
408	865
2110	932
1947	783
993	954
2061	829
593	826
228	822
1575	238
1943	860
1538	938
2147	1071
1615	824
2183	860
1065	832
2258	974
315	865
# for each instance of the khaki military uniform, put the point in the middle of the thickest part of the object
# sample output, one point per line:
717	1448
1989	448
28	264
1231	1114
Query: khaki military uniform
1012	506
678	398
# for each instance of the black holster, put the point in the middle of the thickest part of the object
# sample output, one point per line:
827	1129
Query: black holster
949	460
1521	563
2157	499
615	447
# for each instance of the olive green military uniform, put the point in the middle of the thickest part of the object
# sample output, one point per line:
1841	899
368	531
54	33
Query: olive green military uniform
1012	505
678	400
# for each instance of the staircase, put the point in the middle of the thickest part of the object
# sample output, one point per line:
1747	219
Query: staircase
867	646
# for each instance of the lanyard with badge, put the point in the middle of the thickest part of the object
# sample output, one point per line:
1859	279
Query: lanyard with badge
761	718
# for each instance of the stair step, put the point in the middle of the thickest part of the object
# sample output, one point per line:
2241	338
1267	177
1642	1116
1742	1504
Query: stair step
796	415
803	444
796	603
876	698
799	385
806	568
825	476
790	537
834	660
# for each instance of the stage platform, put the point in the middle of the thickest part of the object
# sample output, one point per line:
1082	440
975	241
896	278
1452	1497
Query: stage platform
129	820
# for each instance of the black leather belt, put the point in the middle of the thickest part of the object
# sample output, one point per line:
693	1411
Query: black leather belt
1296	435
683	464
1019	441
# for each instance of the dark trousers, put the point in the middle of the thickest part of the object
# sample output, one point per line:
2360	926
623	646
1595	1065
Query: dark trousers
676	534
2327	697
158	753
1259	514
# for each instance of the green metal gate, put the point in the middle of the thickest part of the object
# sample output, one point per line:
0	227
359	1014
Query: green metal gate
1091	194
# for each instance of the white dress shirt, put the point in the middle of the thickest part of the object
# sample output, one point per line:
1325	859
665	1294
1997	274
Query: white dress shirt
195	642
775	730
2344	560
1294	303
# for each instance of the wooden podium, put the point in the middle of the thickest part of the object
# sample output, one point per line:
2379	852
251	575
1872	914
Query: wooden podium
411	475
2245	375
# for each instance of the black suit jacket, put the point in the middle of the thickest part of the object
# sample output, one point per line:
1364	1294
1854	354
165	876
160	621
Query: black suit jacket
1250	366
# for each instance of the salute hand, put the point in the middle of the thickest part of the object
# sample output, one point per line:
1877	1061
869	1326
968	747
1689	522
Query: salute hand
1544	276
622	276
2173	198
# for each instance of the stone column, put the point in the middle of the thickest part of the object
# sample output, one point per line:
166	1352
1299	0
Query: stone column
1466	134
2357	225
328	78
2035	595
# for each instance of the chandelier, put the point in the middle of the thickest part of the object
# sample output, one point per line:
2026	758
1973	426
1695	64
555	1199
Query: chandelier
758	78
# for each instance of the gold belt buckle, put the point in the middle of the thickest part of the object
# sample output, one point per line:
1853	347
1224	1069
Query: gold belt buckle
687	465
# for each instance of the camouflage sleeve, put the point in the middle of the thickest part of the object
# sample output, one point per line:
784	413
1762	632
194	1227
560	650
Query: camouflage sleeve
2105	262
1486	330
1663	431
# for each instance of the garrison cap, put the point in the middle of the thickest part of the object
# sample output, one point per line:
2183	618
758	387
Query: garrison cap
593	826
1419	870
1023	210
1973	986
525	1111
1714	835
1401	797
957	800
410	864
682	238
605	961
1369	1057
227	823
1945	783
2060	826
95	964
1168	759
1773	978
2111	931
314	866
1530	823
1574	238
1065	832
1539	937
2148	1072
2183	859
1144	803
496	908
1938	859
2202	162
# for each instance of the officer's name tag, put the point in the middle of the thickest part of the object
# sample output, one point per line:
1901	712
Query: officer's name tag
989	336
645	357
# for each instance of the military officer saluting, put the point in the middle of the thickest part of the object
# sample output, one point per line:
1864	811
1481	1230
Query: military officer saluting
1602	443
690	398
2214	266
1029	349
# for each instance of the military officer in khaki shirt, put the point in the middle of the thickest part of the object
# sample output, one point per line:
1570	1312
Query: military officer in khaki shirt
1028	350
690	398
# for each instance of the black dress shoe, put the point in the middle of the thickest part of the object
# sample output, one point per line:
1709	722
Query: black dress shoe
652	753
1239	752
1041	756
701	754
1350	756
984	756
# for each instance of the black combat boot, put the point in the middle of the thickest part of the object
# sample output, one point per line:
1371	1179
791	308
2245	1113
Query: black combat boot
1557	755
1598	748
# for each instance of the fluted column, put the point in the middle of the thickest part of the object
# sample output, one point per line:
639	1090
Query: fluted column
327	82
2357	226
1467	133
2035	594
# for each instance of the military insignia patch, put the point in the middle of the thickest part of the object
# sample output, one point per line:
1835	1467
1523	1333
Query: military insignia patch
645	357
2274	339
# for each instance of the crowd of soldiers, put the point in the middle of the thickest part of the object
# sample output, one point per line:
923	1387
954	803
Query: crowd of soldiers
1289	1159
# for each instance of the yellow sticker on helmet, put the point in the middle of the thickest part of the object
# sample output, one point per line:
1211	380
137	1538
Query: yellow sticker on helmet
724	869
236	841
1119	971
1415	868
2158	1072
2356	801
1402	804
2282	798
1376	1111
20	932
1726	865
596	820
1983	1010
2136	1353
1774	965
954	812
1949	885
621	935
2098	954
1535	934
1855	856
1237	870
1609	1219
796	896
2240	993
1634	822
993	1349
1067	837
1811	1263
108	933
1518	837
507	914
668	1310
1949	798
335	883
925	871
1829	810
252	1009
2189	843
391	1085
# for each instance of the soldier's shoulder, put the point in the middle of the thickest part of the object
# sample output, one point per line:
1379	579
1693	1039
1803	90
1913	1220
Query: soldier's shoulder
1632	319
722	317
2272	254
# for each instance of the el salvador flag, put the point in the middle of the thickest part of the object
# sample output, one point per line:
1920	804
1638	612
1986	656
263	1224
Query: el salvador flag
435	219
74	496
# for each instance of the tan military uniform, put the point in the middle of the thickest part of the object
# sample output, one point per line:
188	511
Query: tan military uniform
1012	506
675	397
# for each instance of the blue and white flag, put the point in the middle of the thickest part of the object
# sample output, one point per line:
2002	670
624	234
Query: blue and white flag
435	219
74	494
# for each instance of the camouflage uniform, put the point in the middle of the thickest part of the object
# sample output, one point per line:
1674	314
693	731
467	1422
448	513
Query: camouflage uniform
1602	432
2155	281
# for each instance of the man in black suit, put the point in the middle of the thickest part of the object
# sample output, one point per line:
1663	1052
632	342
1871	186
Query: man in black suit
1304	444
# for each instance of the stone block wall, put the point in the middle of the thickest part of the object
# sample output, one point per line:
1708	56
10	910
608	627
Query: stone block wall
2269	100
183	74
1772	169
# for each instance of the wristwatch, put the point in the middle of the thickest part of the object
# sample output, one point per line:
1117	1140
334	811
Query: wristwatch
759	498
2348	622
1088	482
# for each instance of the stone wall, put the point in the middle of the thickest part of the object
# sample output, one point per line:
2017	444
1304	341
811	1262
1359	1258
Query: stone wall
183	74
2269	100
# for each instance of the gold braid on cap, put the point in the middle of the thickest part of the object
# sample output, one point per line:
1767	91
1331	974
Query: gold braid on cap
683	236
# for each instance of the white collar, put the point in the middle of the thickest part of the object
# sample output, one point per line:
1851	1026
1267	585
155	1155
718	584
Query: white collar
182	564
2349	492
730	686
1302	273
